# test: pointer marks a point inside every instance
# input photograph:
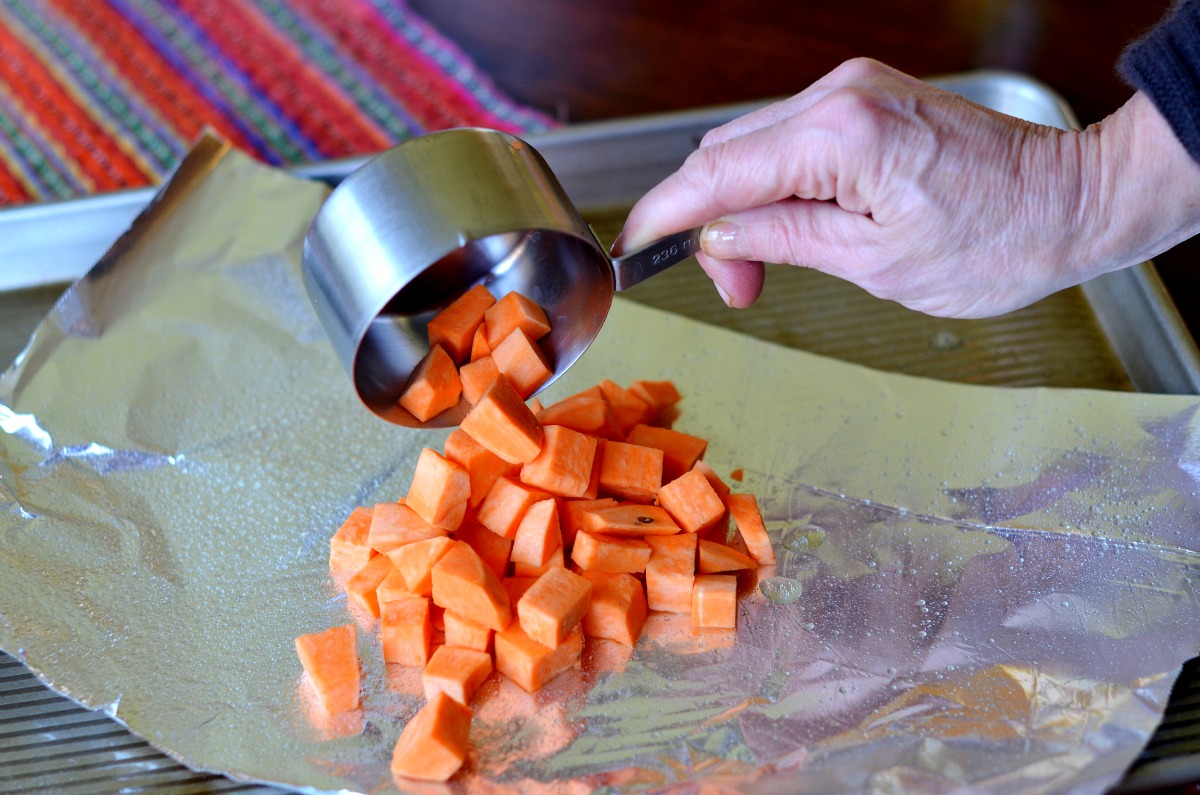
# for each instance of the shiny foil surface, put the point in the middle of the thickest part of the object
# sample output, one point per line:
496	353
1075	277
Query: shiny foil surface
978	589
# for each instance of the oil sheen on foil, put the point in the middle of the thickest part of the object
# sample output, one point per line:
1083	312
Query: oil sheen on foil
977	589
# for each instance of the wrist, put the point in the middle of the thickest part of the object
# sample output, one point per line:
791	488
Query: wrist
1142	192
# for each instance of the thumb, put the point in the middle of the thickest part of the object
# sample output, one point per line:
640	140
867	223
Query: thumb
816	234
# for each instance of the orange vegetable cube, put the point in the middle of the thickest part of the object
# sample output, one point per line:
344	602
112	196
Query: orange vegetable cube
493	549
457	672
395	524
515	311
349	548
595	552
406	630
571	511
558	560
530	664
715	558
454	327
589	415
362	586
660	396
433	744
465	633
680	450
537	535
670	572
502	423
433	387
439	490
628	519
714	602
563	467
483	467
505	504
393	587
628	408
631	471
517	585
692	501
744	510
617	610
330	660
464	584
479	344
737	474
553	606
522	362
414	562
714	480
477	376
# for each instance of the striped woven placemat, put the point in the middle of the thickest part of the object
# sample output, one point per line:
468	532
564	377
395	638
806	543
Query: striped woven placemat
98	95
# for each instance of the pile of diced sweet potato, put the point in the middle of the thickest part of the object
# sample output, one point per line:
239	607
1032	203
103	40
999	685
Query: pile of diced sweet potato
534	529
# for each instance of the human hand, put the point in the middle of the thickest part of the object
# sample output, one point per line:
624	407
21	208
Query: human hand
922	197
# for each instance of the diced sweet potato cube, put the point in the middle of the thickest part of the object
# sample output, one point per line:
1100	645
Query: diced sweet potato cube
570	514
617	609
589	415
558	560
433	744
505	504
502	423
515	311
714	480
433	387
395	524
393	587
464	584
493	549
454	327
406	631
715	558
477	377
362	586
631	471
660	396
692	502
349	548
670	572
714	601
628	408
439	490
457	672
414	562
465	633
479	344
744	510
680	450
563	467
628	519
531	664
553	606
483	466
612	554
522	362
330	660
537	535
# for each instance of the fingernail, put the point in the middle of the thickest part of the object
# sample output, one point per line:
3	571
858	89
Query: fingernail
724	295
724	240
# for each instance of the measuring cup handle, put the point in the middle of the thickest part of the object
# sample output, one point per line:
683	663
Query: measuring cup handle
637	266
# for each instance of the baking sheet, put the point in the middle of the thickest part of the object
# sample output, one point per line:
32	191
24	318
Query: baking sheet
991	586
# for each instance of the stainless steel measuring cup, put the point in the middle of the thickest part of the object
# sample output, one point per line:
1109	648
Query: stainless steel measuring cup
417	226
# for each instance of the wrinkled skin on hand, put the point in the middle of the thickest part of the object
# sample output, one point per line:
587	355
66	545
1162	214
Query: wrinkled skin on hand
923	198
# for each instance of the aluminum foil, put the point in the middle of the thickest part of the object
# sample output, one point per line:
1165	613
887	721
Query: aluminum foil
978	589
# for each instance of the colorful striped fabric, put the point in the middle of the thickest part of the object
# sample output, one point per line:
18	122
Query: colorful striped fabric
97	95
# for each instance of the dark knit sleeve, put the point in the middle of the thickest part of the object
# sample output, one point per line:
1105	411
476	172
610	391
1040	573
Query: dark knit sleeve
1165	65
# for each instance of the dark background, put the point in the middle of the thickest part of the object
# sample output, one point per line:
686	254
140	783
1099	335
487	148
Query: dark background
584	60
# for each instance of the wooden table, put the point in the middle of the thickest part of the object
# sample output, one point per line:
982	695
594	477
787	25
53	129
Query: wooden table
584	60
